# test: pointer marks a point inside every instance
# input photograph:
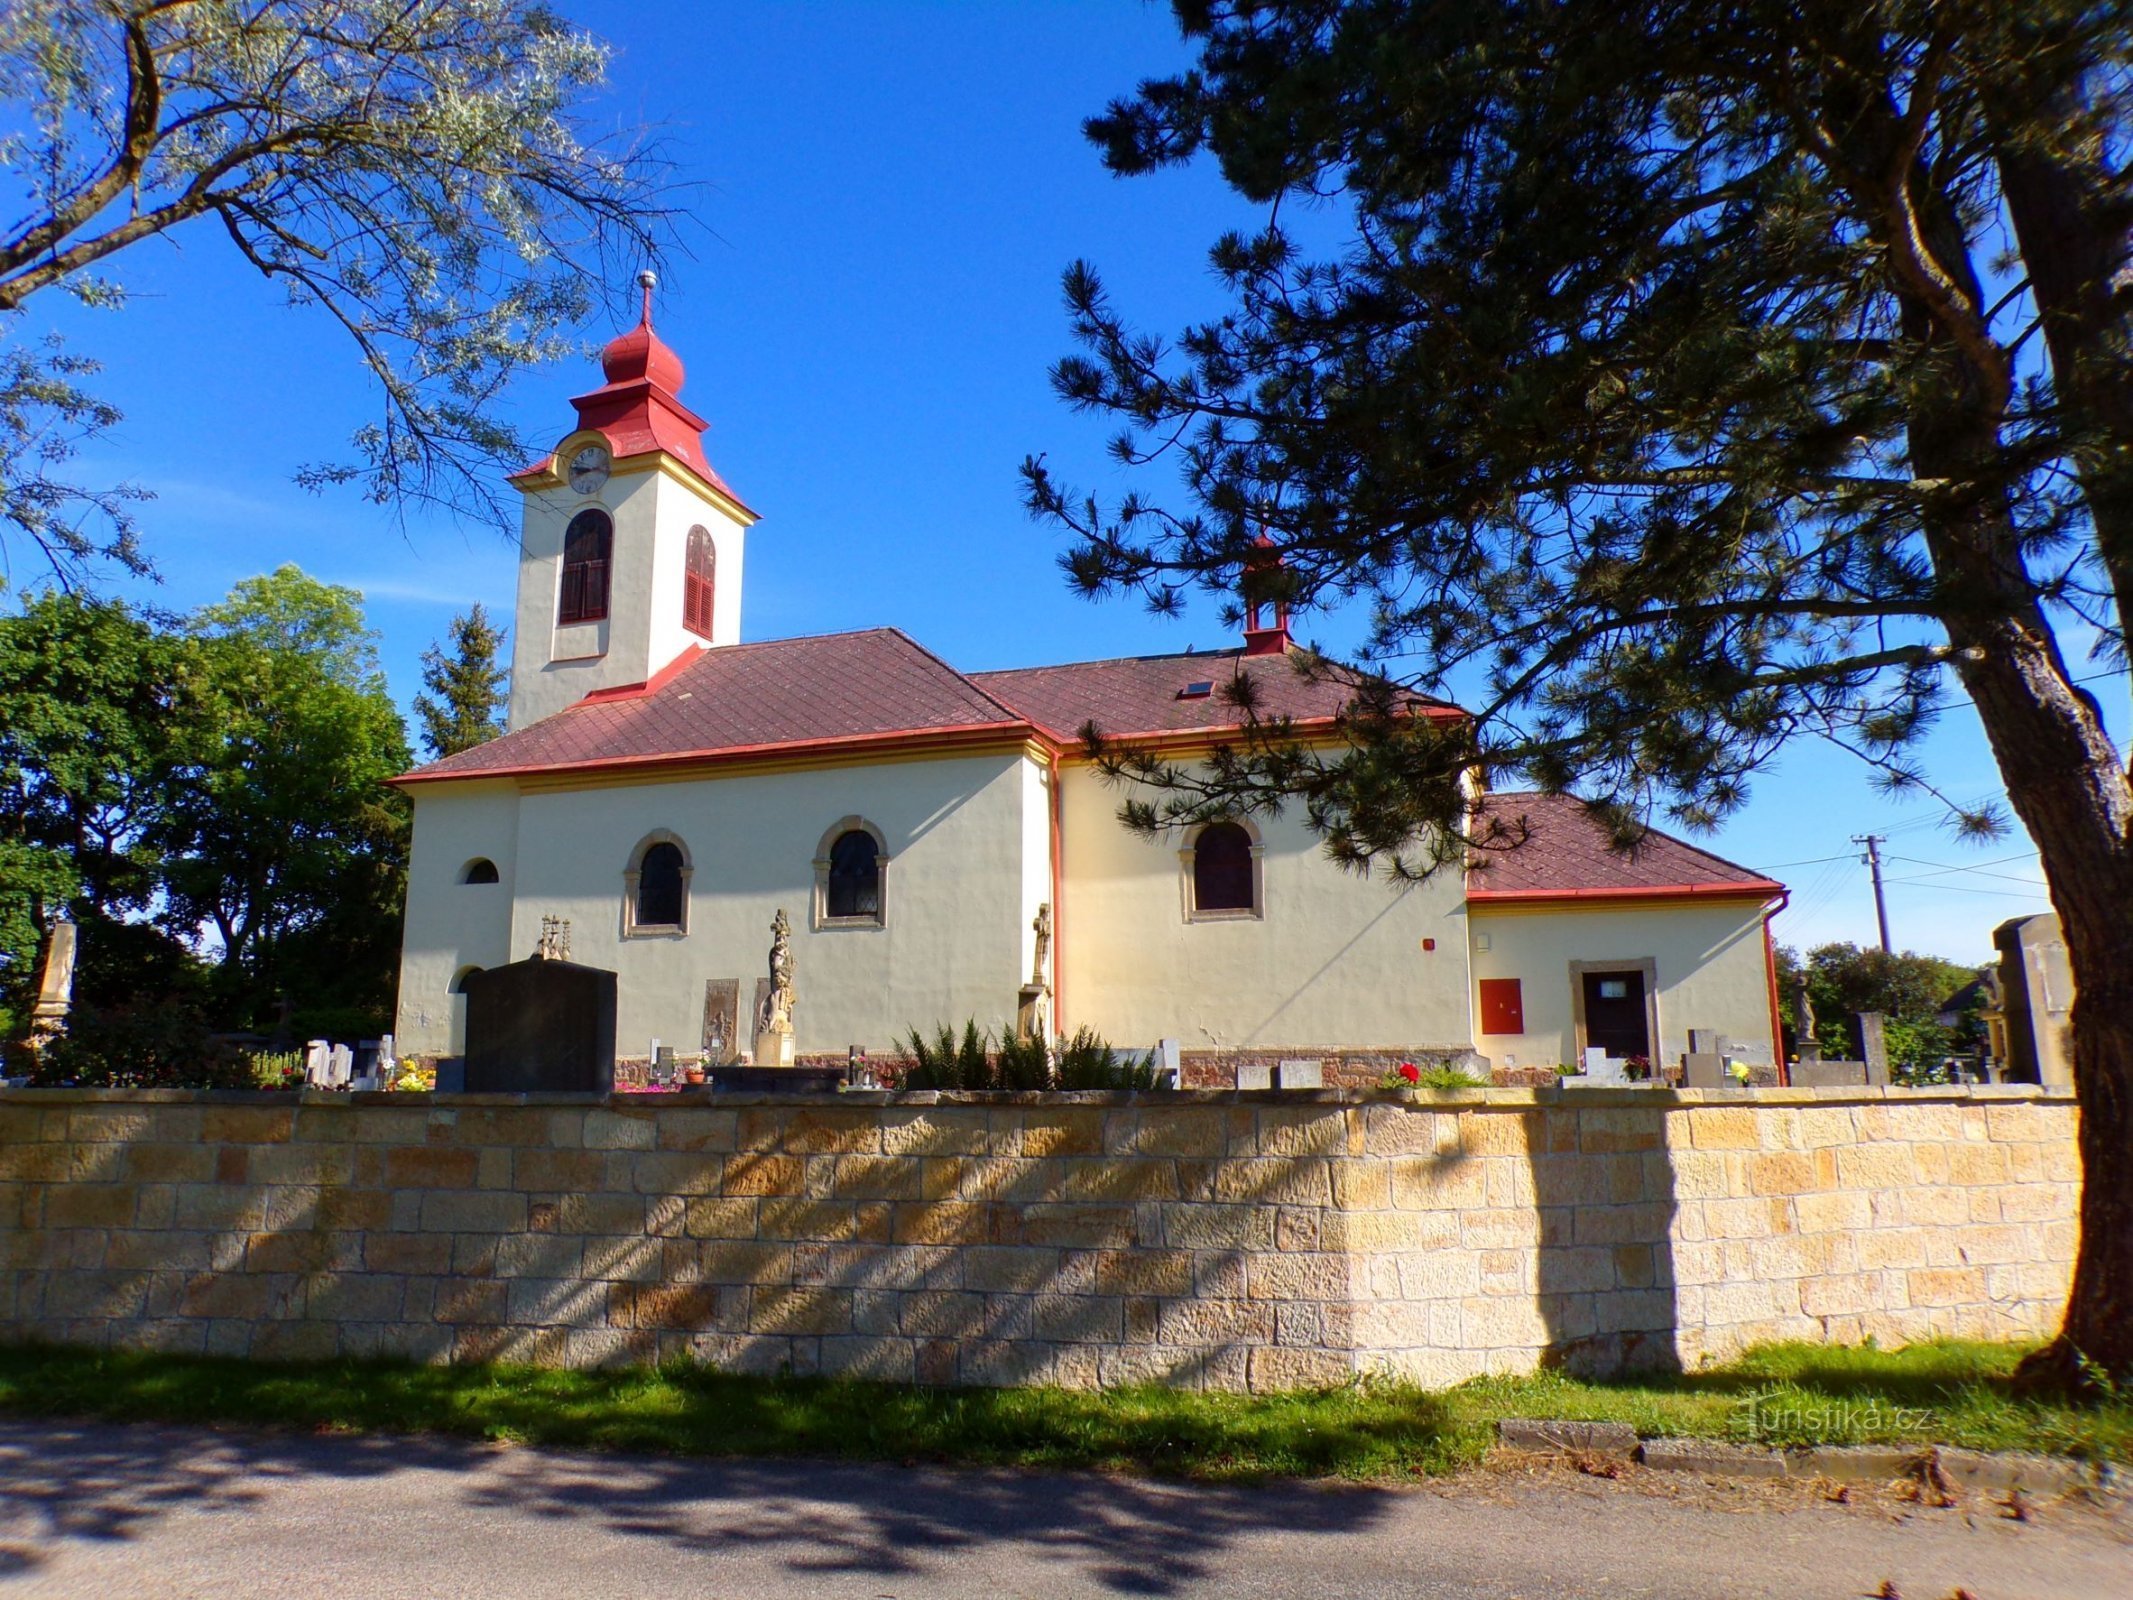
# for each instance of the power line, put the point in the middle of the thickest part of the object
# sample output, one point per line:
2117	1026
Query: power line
1978	872
2002	894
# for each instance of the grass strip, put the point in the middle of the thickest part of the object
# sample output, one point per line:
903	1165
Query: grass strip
1954	1393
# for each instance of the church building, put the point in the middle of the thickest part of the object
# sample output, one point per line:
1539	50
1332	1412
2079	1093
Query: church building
942	847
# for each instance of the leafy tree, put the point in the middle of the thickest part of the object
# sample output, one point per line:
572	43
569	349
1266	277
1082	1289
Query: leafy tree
88	696
1843	980
1688	378
283	837
412	167
465	688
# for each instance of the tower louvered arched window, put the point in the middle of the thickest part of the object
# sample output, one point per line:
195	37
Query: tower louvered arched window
696	583
588	551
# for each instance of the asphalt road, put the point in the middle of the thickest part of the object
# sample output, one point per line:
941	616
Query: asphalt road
90	1511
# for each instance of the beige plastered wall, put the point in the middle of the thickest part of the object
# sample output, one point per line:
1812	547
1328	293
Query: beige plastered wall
955	942
1333	961
1709	960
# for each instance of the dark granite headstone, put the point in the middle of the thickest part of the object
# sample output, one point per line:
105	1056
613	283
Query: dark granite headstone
540	1026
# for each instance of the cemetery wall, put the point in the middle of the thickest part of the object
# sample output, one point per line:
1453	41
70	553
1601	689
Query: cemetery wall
1213	1239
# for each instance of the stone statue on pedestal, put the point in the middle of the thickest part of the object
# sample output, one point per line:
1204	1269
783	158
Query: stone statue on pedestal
1806	1047
1033	1015
55	986
773	1023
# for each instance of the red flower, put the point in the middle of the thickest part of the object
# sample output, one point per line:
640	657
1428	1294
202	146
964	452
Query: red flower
1411	1072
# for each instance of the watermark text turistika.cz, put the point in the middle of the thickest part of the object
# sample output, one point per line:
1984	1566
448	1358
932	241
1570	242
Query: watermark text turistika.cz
1792	1416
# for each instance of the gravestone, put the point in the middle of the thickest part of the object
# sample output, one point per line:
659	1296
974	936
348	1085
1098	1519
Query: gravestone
340	1067
1600	1067
722	1020
1705	1041
540	1026
1254	1075
1704	1069
318	1063
1300	1075
1873	1045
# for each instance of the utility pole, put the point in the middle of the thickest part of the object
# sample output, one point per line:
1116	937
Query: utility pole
1872	858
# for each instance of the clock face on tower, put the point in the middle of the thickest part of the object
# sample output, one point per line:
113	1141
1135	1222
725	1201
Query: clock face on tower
588	469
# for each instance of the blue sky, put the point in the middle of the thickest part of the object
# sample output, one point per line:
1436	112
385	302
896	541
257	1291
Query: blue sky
884	198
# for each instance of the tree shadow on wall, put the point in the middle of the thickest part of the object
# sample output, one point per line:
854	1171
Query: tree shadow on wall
65	1485
1604	1188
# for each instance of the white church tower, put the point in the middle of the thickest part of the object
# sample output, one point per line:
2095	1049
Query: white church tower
630	546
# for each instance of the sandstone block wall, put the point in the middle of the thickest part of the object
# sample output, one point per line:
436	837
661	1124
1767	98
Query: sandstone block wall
1209	1239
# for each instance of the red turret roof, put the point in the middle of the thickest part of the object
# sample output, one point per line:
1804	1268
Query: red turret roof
638	408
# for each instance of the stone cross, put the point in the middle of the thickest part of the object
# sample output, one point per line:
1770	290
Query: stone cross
1043	925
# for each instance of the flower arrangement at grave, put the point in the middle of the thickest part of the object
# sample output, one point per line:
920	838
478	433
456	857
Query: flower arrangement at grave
1404	1076
410	1076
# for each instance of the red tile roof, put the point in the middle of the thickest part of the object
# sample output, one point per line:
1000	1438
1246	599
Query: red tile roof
1566	856
836	688
1141	694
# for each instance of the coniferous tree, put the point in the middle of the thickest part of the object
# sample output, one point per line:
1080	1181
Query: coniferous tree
465	688
1692	376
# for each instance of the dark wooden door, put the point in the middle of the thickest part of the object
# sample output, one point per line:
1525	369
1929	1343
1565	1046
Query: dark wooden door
1615	1018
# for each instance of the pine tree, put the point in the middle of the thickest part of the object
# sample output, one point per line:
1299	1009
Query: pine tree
1691	377
465	687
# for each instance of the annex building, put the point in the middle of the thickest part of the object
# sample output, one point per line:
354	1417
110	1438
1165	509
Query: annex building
939	841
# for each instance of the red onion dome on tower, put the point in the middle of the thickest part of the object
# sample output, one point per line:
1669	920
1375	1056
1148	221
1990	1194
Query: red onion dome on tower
640	354
639	409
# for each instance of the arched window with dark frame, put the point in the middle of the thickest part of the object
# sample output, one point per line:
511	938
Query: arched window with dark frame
698	582
480	870
659	887
1222	875
854	887
588	552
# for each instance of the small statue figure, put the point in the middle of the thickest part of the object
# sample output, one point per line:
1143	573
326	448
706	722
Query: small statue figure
1806	1047
555	939
773	1026
1043	925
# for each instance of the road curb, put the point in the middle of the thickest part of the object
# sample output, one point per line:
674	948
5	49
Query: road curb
1943	1466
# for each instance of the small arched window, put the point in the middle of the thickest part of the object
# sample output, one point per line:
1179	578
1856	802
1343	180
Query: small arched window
459	979
851	876
854	888
480	870
1224	872
588	548
659	888
697	586
655	897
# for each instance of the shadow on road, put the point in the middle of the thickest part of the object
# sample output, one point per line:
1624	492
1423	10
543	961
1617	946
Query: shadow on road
62	1483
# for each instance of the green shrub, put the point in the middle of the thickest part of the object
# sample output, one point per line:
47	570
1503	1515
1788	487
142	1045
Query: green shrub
972	1063
1022	1064
1087	1062
150	1048
948	1063
1452	1078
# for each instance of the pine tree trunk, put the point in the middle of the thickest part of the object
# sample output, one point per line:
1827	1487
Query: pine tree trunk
2075	804
2068	784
